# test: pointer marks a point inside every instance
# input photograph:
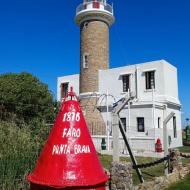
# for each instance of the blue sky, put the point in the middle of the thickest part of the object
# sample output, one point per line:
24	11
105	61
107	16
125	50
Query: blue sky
40	37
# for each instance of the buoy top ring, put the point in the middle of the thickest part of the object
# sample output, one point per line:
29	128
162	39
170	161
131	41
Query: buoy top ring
71	95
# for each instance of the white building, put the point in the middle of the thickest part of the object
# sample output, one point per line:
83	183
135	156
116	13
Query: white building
155	85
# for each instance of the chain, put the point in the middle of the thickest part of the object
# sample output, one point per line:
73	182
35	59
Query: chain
184	155
146	165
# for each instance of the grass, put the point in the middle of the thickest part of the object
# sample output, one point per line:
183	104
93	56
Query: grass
19	149
185	149
185	183
182	185
157	170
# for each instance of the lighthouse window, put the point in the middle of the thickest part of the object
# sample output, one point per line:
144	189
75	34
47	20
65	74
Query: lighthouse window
85	61
96	5
85	24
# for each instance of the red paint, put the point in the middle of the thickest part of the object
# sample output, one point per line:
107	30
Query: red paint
96	5
39	187
158	146
69	157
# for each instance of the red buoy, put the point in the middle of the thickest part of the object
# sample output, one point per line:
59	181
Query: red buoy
158	146
69	158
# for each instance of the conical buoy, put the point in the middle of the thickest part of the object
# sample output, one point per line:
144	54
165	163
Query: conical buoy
69	157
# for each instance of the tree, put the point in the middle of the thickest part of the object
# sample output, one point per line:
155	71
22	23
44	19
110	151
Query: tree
24	97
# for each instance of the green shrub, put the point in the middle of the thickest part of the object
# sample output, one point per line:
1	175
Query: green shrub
24	97
19	150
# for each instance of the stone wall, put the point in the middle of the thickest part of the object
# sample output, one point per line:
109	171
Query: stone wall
121	176
94	43
93	116
163	182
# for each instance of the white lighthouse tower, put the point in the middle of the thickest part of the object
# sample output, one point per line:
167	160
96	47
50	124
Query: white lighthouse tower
94	18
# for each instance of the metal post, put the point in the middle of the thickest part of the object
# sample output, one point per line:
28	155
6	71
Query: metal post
115	128
165	136
107	124
121	127
116	121
129	112
153	113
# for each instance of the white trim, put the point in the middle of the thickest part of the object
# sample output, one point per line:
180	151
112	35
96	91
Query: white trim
149	70
150	90
89	95
125	73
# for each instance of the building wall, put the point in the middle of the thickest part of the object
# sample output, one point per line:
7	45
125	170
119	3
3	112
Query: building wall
95	44
73	81
166	87
148	104
152	131
175	142
111	80
146	95
171	83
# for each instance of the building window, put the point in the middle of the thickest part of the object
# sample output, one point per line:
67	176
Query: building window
123	120
126	83
85	61
140	124
174	127
64	89
159	119
150	80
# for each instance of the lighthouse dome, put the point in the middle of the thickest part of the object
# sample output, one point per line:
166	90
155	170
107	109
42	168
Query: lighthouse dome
95	10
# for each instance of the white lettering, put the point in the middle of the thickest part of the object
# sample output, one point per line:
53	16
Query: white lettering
79	149
71	132
71	116
64	132
61	149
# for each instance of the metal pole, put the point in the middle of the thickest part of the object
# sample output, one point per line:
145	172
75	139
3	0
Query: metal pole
153	113
129	121
116	120
165	136
121	127
165	140
115	128
107	125
129	112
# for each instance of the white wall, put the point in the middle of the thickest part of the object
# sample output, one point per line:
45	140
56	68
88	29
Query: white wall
171	83
73	81
157	66
111	80
166	86
176	142
166	90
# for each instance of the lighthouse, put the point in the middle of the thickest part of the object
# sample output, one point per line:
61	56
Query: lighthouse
94	17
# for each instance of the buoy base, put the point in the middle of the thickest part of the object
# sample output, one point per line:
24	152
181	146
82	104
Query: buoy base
40	187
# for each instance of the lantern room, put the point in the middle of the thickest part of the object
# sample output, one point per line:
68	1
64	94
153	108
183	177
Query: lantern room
95	9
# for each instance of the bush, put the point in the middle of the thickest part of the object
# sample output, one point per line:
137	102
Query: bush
19	150
23	97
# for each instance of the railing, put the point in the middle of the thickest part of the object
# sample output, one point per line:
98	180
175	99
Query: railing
83	7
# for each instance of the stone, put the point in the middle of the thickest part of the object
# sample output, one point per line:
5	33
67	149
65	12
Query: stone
121	176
